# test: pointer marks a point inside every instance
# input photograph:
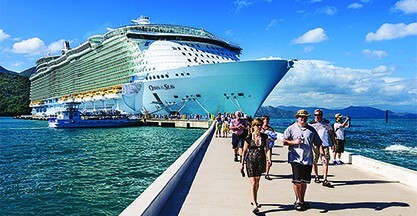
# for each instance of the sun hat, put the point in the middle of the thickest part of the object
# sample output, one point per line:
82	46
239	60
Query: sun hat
338	115
302	113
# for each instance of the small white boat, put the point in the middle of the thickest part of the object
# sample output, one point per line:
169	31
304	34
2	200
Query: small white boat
72	118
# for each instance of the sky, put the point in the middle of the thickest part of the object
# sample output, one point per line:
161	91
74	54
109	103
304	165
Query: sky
350	52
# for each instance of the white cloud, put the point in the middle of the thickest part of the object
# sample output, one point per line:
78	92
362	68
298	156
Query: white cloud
313	36
271	24
407	6
392	31
355	5
308	49
229	32
241	4
55	46
3	35
328	10
32	46
374	54
322	84
35	46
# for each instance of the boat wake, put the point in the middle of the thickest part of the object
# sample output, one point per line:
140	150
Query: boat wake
402	148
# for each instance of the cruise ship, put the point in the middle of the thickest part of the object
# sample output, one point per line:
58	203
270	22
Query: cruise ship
146	68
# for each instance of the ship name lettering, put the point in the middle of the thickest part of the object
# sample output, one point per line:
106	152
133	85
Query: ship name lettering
161	87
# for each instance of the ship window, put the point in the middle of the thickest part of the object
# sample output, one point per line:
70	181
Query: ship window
198	95
157	76
240	94
189	54
188	74
202	60
175	96
202	55
147	43
179	48
154	77
167	76
183	53
174	48
176	74
185	48
182	74
189	60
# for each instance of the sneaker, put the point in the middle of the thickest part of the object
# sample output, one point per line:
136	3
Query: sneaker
236	159
339	162
334	162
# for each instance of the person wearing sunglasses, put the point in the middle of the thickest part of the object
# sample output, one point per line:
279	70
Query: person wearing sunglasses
300	138
256	154
325	131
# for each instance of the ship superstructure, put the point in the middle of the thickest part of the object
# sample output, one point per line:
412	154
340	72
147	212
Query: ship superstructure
153	68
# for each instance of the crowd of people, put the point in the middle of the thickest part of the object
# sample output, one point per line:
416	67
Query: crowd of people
307	142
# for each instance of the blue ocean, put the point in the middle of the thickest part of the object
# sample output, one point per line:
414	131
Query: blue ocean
393	142
101	171
82	171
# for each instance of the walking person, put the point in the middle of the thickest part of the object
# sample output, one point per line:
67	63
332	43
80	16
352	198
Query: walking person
225	127
339	129
300	138
256	154
272	135
219	122
325	131
238	127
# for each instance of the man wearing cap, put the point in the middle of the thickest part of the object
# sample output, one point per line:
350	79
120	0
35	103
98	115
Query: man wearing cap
339	129
300	138
325	131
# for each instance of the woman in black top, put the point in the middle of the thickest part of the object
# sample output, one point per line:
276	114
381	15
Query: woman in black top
255	152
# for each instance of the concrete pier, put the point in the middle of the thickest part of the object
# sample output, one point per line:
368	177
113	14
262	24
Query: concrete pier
216	187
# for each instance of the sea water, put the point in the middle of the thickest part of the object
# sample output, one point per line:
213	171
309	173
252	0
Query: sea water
101	171
98	171
394	142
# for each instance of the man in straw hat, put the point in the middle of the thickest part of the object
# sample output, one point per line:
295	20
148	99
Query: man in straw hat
300	138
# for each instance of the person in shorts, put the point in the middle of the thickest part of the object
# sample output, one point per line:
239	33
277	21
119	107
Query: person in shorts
339	129
325	131
300	138
239	129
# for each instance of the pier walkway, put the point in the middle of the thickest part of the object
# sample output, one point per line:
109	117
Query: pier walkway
217	188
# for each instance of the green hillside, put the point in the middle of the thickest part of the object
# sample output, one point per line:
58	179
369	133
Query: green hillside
14	94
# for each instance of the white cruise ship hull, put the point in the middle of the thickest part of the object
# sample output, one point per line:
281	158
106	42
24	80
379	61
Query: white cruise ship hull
212	88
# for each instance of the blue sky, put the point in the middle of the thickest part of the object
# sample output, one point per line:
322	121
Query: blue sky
351	52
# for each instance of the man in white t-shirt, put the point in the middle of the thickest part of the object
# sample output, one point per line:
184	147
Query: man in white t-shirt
325	131
339	129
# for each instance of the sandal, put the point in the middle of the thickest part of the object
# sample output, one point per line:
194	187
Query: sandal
299	207
257	205
316	179
327	183
267	177
256	209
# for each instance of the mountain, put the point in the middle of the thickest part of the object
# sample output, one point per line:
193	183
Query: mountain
28	72
352	111
14	93
4	70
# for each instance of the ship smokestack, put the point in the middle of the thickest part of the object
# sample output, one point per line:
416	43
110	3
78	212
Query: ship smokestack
66	47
